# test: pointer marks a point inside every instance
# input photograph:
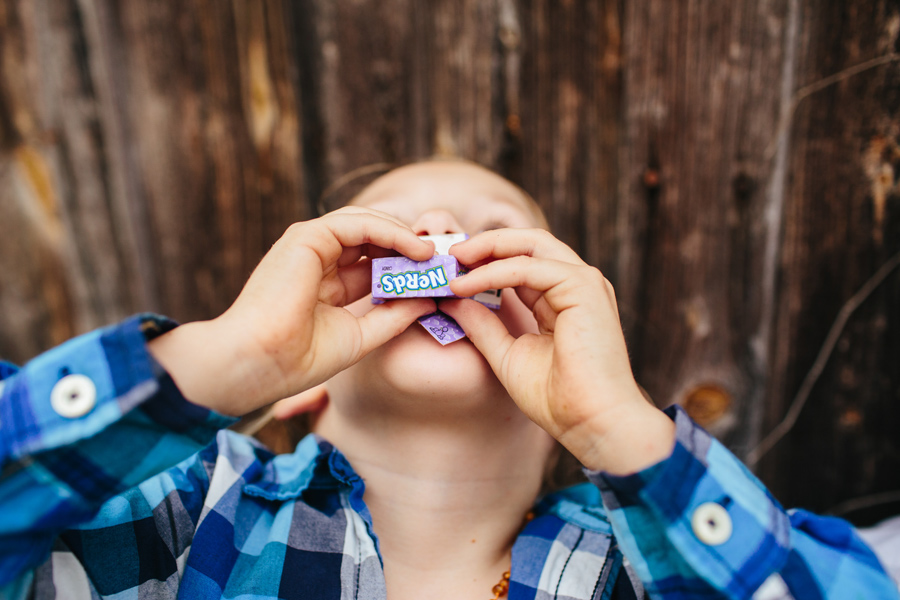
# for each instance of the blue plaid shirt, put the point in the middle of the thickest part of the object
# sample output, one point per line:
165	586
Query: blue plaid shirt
146	496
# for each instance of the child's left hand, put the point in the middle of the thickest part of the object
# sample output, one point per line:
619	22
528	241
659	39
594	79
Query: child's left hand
573	378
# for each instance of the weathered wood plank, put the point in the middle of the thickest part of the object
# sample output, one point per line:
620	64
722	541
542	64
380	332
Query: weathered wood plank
842	221
54	189
422	83
211	110
700	104
150	152
570	102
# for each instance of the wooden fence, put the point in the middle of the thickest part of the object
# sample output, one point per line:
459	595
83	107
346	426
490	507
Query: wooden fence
731	166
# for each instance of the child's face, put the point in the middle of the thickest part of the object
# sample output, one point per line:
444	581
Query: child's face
437	198
450	197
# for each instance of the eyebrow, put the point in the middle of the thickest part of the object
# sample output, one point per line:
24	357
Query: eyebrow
520	200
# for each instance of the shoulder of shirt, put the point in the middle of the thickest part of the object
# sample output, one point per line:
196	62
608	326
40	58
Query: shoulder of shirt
579	505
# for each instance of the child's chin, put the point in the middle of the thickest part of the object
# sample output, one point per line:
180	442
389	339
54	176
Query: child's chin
414	361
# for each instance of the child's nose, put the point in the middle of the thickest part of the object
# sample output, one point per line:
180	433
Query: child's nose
436	222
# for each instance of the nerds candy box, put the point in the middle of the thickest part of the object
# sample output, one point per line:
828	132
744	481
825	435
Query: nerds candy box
400	277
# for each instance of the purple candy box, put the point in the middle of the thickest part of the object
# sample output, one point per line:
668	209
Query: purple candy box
400	277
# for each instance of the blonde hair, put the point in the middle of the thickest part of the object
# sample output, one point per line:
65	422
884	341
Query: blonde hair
345	189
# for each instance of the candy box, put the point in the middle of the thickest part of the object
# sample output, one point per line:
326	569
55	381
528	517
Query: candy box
401	277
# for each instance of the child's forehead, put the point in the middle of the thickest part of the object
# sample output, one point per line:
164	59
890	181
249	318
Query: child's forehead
438	199
458	188
474	212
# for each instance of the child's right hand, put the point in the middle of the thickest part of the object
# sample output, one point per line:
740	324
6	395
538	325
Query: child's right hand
573	378
288	331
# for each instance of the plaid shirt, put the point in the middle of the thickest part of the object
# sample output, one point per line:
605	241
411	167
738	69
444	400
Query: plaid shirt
145	496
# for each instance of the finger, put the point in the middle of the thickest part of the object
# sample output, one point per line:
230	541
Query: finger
552	278
351	255
371	250
506	243
483	328
313	399
353	209
387	321
359	229
528	297
356	281
544	315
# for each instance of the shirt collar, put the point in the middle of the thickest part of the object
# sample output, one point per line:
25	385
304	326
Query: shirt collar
314	464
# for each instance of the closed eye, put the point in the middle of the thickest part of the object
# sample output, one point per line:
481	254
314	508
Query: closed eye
493	225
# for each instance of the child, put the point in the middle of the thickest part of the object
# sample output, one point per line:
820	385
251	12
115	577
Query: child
442	449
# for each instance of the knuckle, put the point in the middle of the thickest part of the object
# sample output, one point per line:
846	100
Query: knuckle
609	288
542	238
298	232
522	262
295	228
542	234
596	277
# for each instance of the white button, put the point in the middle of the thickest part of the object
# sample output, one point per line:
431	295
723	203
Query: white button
711	524
73	396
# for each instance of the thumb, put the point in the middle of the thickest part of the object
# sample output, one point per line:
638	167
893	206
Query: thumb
483	328
387	321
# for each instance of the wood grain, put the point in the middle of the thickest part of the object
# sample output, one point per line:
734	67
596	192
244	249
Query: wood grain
151	151
841	223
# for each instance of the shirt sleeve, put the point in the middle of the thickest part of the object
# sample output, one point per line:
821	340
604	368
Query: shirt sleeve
81	424
699	524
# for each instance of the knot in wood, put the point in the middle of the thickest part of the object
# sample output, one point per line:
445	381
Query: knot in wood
850	418
514	125
707	403
651	178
